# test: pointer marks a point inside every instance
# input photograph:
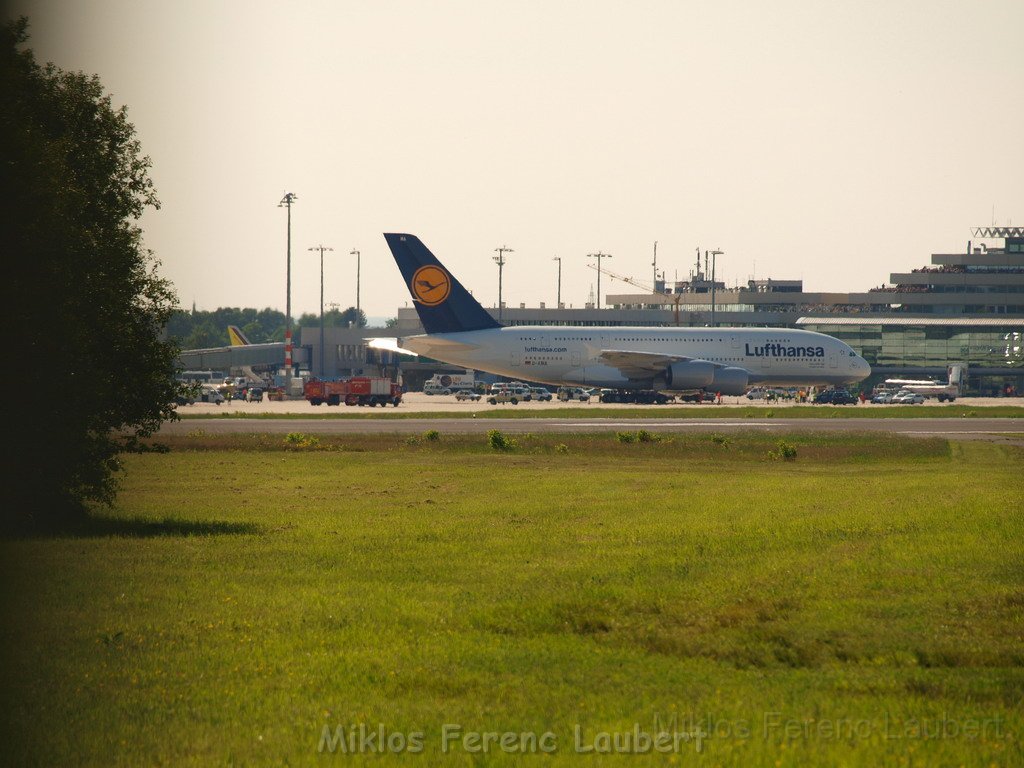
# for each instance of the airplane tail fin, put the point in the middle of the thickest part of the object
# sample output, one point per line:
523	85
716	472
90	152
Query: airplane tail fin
443	305
238	339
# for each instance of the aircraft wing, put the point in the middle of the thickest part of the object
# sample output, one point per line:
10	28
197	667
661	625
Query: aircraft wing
640	365
389	344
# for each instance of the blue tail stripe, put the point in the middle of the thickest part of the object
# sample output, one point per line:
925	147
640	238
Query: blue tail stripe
443	305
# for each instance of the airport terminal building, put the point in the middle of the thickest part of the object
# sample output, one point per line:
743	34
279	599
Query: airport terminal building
963	307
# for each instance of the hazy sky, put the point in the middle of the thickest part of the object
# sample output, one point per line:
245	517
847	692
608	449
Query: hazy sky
833	142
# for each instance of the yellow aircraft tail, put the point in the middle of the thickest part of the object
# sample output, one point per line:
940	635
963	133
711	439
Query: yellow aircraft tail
238	339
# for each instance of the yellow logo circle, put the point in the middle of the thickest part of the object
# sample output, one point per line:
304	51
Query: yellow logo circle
430	285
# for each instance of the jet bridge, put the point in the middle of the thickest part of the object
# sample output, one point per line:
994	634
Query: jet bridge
247	356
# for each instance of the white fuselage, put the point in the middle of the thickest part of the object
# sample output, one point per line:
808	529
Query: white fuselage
571	355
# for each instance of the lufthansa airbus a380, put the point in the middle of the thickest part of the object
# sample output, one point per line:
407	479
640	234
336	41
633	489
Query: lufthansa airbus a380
726	360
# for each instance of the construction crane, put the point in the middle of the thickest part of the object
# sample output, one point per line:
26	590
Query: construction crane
675	297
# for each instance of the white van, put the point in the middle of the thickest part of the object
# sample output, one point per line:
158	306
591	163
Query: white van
210	394
574	393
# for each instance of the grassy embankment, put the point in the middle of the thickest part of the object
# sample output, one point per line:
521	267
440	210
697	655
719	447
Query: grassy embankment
861	603
524	411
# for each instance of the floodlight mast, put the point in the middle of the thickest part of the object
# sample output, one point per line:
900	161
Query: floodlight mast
714	253
675	297
321	249
558	298
286	202
655	264
355	252
500	261
599	255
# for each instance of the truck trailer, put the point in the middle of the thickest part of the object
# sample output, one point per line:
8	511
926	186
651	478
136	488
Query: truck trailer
449	383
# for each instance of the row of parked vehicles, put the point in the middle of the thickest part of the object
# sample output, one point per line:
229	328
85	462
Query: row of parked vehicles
837	396
515	392
904	397
512	392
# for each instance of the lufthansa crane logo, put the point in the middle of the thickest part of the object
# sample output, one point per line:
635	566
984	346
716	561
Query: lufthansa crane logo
431	285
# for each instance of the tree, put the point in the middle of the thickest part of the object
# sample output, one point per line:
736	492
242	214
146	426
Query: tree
351	317
99	376
199	328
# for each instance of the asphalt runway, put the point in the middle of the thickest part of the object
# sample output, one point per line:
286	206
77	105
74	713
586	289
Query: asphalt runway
433	413
980	428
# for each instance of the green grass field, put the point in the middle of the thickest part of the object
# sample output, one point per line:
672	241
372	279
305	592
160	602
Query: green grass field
861	603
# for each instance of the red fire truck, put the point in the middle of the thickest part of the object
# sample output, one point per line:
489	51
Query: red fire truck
358	390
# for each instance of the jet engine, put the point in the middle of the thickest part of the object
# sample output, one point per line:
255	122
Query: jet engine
693	374
730	381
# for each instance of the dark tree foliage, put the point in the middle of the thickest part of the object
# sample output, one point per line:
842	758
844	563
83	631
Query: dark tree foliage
200	329
351	317
94	373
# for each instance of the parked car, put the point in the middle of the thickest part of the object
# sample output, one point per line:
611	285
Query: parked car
842	397
467	394
882	398
903	397
541	394
835	397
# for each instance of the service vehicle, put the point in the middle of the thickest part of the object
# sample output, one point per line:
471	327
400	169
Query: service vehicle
540	394
948	391
574	393
467	394
641	396
357	390
210	394
523	393
503	396
696	397
447	383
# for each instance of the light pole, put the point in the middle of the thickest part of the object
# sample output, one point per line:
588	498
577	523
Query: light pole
500	261
355	253
558	299
321	248
655	265
286	202
599	256
713	255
